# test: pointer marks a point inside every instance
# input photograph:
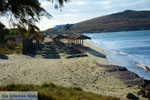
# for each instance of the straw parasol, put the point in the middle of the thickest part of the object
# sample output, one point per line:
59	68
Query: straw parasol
82	37
38	37
57	37
77	38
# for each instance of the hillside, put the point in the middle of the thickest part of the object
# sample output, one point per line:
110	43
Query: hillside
128	20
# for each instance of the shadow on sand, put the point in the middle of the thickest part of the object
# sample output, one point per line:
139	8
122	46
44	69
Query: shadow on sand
52	56
49	51
94	52
3	56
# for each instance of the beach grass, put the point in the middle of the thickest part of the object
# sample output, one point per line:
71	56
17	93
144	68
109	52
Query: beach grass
50	91
11	47
5	51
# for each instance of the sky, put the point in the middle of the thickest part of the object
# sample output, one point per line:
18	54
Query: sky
80	10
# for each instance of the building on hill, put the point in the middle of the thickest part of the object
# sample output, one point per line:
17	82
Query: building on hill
62	26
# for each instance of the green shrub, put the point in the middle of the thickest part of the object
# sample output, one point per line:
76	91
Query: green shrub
49	91
12	45
77	88
18	49
52	85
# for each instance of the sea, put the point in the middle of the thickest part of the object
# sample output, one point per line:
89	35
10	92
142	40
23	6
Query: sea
125	49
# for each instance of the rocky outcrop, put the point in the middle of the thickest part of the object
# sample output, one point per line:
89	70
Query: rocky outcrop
145	89
129	78
131	96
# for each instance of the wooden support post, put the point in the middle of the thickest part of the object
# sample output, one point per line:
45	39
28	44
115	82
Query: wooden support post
37	43
80	42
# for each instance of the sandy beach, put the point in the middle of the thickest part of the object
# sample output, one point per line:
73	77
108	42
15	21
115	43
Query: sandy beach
75	72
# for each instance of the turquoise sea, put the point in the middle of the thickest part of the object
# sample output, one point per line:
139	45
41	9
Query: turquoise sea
125	48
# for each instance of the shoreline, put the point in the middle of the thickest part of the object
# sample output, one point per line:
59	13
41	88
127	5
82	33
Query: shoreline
146	68
116	70
76	72
101	50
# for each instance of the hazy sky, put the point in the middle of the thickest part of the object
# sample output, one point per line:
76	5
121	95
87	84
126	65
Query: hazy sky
80	10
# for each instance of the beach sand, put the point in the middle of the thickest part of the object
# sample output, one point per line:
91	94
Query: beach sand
74	72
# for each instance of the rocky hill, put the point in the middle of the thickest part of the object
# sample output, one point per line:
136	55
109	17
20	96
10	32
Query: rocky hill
128	20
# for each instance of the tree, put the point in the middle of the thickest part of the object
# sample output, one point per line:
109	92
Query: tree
25	13
3	35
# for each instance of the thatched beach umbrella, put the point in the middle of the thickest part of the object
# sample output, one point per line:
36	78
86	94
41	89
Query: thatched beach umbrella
82	37
72	38
60	36
57	37
77	38
38	37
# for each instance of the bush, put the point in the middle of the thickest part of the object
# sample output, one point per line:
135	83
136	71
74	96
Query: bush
11	47
49	91
77	88
48	85
3	34
18	49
